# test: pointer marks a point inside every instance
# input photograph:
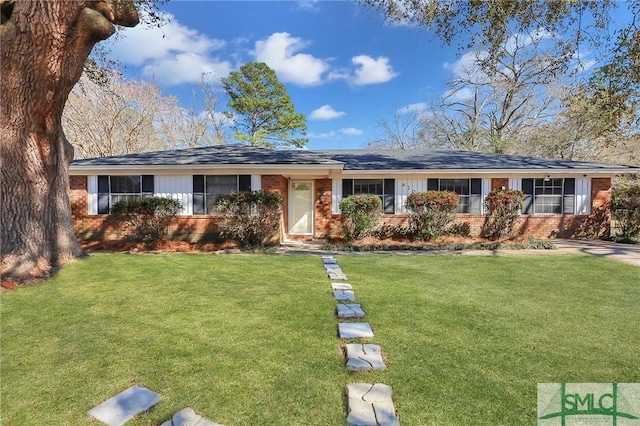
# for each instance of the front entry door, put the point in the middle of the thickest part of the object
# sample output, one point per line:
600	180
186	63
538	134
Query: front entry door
301	207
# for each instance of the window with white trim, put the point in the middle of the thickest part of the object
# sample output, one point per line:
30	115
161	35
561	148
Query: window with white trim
112	189
207	189
384	188
469	190
549	196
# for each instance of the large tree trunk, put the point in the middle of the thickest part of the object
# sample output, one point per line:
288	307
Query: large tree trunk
43	47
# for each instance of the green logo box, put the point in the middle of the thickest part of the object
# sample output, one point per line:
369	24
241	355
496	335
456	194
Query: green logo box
572	404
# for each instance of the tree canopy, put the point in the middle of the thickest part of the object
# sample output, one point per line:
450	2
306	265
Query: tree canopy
265	115
529	91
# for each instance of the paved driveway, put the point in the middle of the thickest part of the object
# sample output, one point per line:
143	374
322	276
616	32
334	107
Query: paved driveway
628	253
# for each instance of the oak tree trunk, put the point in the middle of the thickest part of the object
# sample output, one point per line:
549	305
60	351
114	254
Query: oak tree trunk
43	47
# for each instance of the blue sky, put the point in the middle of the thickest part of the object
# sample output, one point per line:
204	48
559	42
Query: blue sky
343	66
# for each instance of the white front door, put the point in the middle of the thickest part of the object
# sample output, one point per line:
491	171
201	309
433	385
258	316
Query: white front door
301	207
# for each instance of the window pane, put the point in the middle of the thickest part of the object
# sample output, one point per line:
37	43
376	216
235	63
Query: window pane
115	198
218	185
548	196
368	186
125	184
460	187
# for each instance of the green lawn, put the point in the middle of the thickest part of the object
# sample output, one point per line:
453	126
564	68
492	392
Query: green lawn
251	339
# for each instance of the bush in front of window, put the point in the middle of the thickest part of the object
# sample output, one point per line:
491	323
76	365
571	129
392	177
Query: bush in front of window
431	213
360	214
502	213
250	217
625	206
146	219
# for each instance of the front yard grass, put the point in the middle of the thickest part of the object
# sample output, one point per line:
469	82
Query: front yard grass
251	339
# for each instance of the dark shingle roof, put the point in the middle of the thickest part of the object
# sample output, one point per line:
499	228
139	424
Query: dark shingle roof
419	159
400	160
211	155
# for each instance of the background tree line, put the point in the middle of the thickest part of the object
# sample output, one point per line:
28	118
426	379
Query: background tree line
107	114
522	87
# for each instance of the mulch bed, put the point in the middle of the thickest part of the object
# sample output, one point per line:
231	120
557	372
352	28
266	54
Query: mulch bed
163	246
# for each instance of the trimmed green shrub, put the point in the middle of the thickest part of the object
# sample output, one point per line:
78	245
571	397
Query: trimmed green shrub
360	214
146	219
502	211
251	217
625	207
431	212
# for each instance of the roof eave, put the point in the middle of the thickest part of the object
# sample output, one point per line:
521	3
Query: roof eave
83	169
494	172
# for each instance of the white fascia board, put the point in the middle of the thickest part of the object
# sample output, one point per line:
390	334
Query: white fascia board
490	172
321	170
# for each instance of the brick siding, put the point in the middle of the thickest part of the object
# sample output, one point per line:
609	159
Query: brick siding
204	227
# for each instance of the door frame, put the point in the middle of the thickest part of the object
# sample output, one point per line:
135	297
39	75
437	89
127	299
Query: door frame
312	205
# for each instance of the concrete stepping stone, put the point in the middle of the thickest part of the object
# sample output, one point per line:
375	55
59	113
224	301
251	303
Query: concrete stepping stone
331	261
188	417
332	268
344	295
125	405
370	405
354	330
337	275
349	311
341	286
362	357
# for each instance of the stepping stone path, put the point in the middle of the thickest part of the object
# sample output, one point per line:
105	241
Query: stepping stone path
349	311
122	407
369	404
341	286
344	295
362	357
337	275
354	330
188	417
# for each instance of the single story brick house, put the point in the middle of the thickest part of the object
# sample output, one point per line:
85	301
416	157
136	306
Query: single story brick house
561	195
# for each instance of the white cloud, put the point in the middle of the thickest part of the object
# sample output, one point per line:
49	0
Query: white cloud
308	5
333	134
468	66
279	51
371	70
460	95
325	135
523	40
325	112
174	53
185	68
352	131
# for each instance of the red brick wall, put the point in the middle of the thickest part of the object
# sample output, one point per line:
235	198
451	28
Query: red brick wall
499	183
279	184
323	216
78	195
600	192
538	226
